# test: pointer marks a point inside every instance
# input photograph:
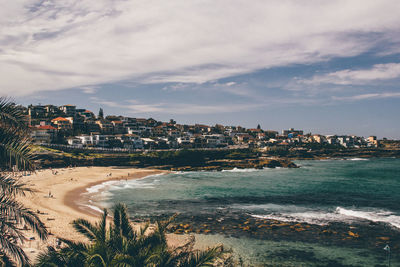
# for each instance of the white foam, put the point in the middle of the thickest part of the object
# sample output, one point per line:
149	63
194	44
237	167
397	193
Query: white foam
114	184
98	187
318	218
241	170
290	213
356	159
95	208
375	216
325	217
181	172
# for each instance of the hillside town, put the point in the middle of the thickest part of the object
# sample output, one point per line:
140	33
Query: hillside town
70	126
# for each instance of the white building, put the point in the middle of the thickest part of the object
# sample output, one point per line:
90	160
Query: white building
90	140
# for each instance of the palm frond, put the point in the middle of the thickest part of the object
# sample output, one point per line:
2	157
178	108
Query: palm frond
203	258
77	246
123	260
11	186
121	220
11	115
97	258
5	260
86	228
102	228
15	148
16	212
11	229
74	253
11	249
116	245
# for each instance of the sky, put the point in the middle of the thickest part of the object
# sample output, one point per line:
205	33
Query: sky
327	67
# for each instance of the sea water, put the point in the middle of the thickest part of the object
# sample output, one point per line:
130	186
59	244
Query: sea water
319	192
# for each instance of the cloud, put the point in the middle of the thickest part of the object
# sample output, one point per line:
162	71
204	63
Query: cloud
174	108
176	87
230	83
378	72
89	89
135	107
367	96
50	45
108	103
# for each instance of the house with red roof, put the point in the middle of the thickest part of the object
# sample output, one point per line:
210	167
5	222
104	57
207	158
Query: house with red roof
43	134
62	123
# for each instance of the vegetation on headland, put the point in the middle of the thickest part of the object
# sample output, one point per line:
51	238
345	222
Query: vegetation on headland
119	244
15	155
209	159
169	160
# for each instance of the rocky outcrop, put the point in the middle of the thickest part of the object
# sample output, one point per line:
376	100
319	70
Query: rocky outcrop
177	161
259	163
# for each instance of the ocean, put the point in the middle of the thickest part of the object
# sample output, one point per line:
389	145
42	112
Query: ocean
336	212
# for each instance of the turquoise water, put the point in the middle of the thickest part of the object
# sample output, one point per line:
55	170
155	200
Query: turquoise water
319	193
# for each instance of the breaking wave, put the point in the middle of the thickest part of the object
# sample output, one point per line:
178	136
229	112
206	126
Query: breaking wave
338	215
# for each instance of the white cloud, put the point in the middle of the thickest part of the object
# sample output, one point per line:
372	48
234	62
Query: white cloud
174	108
230	83
368	96
135	107
176	87
347	77
89	89
108	103
71	43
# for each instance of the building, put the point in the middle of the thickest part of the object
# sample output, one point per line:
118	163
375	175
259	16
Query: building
240	138
131	141
372	141
52	110
159	130
86	114
43	134
89	140
61	123
215	140
293	132
105	126
319	138
183	140
118	127
69	110
37	111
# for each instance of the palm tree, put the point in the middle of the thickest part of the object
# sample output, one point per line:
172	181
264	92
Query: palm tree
15	154
118	244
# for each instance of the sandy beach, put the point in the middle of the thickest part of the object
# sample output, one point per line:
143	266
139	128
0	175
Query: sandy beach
58	198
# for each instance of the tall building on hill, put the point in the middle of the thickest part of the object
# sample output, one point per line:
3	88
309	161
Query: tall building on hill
69	110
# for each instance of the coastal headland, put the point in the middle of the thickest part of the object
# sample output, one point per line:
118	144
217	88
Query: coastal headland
201	159
176	160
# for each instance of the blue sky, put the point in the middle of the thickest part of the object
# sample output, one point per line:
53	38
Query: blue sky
324	67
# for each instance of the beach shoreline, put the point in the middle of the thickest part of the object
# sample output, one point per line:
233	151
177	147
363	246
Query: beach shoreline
59	198
78	198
